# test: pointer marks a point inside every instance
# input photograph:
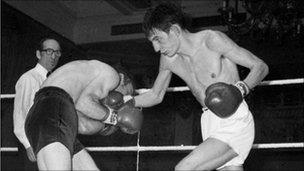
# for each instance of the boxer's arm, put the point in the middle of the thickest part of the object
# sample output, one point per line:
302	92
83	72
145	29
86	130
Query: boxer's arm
88	126
89	101
156	94
222	44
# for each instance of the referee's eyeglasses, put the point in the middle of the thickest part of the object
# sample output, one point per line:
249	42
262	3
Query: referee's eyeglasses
50	51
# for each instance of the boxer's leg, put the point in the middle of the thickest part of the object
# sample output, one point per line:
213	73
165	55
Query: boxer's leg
83	161
210	154
81	158
54	156
51	127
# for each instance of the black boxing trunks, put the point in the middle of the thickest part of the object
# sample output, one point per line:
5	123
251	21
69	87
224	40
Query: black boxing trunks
53	118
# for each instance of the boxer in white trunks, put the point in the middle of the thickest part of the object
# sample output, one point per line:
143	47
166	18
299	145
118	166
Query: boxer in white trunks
207	61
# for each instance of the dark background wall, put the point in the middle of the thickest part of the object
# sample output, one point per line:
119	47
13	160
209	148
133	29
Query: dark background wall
19	37
278	110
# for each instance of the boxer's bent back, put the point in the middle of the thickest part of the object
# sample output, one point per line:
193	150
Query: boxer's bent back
52	118
71	91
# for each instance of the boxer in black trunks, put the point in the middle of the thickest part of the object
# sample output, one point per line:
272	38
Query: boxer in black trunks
69	103
55	105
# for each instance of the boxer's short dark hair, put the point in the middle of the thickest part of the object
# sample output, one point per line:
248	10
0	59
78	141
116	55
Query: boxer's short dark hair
163	16
128	77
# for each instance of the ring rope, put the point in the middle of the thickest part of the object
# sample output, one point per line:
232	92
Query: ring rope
263	83
139	148
185	88
137	155
172	148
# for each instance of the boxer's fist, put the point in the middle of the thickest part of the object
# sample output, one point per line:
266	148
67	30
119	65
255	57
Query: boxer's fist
223	99
111	104
114	100
126	116
129	117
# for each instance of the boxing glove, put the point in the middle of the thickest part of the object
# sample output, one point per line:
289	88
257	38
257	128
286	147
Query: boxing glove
129	118
223	99
111	104
114	100
124	115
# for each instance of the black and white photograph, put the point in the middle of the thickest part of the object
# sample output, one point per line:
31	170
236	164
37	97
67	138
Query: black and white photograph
152	85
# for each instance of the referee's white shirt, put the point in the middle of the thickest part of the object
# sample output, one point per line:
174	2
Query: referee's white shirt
26	87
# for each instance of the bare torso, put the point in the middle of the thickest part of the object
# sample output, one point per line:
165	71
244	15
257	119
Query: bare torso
203	68
75	76
86	82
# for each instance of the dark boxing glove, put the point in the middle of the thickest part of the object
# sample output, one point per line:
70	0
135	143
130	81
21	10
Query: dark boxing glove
114	100
112	103
124	115
129	118
224	99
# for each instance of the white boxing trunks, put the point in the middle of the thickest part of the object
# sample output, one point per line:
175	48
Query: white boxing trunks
237	131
